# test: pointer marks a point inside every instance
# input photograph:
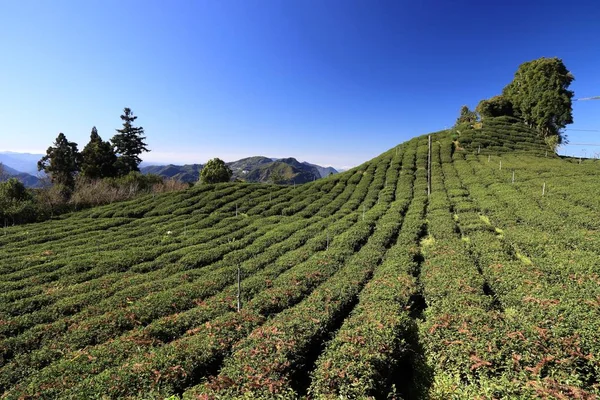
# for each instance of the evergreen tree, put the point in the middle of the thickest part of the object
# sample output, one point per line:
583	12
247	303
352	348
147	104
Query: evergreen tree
61	162
215	171
128	144
540	96
98	158
466	116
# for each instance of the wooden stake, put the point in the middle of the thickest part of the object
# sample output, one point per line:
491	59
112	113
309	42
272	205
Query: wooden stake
239	289
544	189
500	164
429	166
513	178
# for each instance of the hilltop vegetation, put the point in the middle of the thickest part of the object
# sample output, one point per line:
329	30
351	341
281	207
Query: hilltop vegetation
356	285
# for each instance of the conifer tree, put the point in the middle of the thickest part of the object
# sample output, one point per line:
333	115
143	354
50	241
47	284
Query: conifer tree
61	162
98	158
128	144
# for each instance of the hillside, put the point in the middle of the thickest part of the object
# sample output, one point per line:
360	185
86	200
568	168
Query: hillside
27	179
256	169
356	285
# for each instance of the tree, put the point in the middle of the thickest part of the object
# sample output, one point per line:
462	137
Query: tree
466	116
61	162
128	144
215	171
276	177
98	158
540	96
497	106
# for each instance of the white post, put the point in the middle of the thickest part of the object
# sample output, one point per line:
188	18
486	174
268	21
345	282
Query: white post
489	157
500	164
544	189
239	289
513	178
363	212
479	149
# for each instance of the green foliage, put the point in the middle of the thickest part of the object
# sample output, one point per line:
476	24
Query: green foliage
13	190
215	171
356	286
540	96
61	162
497	106
466	116
129	144
98	158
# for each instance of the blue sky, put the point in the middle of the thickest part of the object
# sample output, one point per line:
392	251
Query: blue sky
330	82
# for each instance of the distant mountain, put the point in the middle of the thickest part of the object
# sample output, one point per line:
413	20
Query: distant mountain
27	179
22	162
183	173
250	169
287	172
323	171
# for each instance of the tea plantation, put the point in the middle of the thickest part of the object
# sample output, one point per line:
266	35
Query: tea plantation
359	285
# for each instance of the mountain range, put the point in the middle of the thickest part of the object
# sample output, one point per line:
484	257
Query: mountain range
23	166
250	169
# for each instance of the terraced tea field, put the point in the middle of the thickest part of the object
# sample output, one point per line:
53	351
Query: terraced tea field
359	285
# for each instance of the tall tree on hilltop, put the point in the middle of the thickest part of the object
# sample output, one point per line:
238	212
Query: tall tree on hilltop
129	144
61	162
540	96
98	158
497	106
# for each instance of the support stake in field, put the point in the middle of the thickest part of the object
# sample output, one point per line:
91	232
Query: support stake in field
239	289
500	164
429	166
544	189
489	157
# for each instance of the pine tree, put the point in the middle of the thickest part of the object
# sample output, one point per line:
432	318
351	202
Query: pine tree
98	158
128	144
61	162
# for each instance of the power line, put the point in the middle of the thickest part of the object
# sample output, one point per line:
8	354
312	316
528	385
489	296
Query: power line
584	130
588	98
581	144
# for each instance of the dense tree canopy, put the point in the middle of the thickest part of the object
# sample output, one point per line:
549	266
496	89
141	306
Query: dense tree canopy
540	96
61	161
98	158
215	171
129	144
497	106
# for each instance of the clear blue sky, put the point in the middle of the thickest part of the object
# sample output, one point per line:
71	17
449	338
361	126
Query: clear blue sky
331	82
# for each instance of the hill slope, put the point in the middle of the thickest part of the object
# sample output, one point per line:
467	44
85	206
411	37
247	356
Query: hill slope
352	285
